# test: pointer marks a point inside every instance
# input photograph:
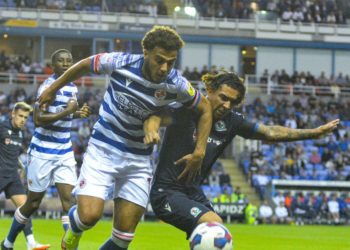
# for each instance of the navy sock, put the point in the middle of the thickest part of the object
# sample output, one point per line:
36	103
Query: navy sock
110	245
28	228
15	229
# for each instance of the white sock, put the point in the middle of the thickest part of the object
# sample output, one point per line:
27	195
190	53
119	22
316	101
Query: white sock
31	240
8	244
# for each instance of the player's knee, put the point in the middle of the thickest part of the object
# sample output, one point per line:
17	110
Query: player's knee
121	238
89	218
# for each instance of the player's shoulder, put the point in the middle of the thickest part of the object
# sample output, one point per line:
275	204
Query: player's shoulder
175	78
235	116
121	59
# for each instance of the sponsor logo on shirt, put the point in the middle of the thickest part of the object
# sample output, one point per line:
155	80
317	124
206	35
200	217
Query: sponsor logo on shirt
8	141
190	89
127	105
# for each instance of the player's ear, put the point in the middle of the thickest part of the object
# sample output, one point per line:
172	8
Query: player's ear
145	52
13	113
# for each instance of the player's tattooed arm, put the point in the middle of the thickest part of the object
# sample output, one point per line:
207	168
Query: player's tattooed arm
42	117
280	133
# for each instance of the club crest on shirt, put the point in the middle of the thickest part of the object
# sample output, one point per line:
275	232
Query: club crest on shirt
220	126
160	94
82	183
195	211
9	132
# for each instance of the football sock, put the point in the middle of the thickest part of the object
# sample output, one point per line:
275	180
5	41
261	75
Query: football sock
76	225
119	240
28	228
18	223
65	222
30	239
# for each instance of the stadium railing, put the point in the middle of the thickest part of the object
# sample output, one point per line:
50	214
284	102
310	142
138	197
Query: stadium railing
114	21
254	86
305	186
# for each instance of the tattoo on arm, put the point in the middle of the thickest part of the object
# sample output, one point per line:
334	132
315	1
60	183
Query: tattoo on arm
280	133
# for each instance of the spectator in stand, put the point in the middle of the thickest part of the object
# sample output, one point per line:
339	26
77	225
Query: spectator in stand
299	209
279	197
315	157
281	214
322	80
187	73
333	208
195	75
266	213
237	196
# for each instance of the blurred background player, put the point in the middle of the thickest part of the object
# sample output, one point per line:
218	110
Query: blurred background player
51	158
11	139
185	205
140	85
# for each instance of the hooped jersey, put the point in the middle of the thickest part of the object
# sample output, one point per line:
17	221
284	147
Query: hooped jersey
130	100
54	141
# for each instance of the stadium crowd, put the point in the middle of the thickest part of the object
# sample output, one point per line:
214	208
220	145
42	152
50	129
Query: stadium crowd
307	11
148	7
280	77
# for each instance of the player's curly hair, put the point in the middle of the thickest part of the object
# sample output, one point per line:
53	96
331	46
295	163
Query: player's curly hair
54	54
163	37
214	81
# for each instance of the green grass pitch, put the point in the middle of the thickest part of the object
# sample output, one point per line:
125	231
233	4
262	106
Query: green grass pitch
160	236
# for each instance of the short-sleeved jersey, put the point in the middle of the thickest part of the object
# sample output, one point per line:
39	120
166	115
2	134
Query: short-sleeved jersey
10	148
130	99
179	140
54	141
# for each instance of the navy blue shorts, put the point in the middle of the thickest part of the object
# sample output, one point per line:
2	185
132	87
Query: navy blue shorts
11	186
179	209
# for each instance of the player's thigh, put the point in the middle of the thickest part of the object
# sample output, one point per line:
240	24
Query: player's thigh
19	199
177	209
14	187
135	183
127	215
96	177
39	173
65	172
90	209
210	217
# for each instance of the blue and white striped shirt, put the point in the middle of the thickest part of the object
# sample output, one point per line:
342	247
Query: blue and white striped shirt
130	99
54	141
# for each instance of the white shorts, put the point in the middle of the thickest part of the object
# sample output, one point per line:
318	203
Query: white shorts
41	173
102	170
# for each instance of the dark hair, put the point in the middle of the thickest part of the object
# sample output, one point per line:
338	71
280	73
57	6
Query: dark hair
163	37
22	106
54	54
214	81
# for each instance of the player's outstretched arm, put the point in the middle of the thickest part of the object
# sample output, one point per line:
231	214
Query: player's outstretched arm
280	133
73	73
43	118
194	160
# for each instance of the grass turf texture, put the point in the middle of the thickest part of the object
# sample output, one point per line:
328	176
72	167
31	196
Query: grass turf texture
160	236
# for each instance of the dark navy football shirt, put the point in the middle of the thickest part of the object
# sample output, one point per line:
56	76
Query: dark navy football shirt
179	140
